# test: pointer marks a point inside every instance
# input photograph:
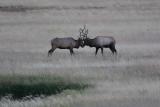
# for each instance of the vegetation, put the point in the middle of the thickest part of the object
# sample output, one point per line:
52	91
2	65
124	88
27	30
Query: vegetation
20	86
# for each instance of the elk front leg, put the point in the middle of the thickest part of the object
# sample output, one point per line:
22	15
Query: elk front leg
113	49
71	51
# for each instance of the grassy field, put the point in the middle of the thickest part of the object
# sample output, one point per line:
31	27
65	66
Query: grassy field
130	79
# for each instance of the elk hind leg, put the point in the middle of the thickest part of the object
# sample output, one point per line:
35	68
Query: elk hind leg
114	49
96	51
51	51
102	51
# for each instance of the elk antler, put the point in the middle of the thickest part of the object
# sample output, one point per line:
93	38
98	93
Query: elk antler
83	32
86	32
80	31
84	27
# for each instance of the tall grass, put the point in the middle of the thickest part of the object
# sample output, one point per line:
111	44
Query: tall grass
20	86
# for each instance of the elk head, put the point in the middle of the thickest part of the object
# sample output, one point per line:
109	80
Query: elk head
83	35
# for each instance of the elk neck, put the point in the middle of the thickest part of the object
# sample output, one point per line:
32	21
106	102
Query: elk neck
89	42
77	45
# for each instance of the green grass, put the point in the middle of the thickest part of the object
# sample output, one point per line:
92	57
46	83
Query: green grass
20	86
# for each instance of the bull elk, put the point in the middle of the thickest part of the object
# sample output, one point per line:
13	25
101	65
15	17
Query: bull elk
99	42
66	43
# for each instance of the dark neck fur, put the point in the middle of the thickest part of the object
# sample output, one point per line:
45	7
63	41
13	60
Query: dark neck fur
90	42
77	44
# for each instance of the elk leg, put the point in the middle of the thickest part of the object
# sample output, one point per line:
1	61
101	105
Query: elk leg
51	51
113	49
71	51
96	51
102	51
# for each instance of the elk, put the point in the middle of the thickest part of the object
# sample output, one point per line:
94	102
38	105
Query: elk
66	43
99	42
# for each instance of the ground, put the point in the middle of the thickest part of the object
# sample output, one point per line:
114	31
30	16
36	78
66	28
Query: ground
130	79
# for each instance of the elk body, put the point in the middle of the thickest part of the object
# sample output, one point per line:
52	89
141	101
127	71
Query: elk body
99	42
65	43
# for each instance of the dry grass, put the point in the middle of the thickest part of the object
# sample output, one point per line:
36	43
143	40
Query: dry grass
129	79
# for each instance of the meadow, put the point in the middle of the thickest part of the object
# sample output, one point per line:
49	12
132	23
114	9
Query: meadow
129	79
